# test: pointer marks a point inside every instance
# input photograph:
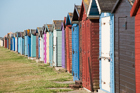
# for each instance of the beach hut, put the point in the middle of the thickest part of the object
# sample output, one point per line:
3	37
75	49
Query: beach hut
51	48
80	49
26	42
38	42
16	41
63	43
49	28
75	43
22	50
124	33
69	41
33	43
41	44
29	42
19	42
89	17
8	42
45	43
13	42
1	41
135	11
5	41
57	43
106	45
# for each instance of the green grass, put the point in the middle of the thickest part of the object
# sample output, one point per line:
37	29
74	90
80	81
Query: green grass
19	75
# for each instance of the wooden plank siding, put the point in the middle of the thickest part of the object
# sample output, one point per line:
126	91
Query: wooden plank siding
124	49
80	49
137	50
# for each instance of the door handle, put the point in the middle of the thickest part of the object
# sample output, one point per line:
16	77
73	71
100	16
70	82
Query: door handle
104	58
73	51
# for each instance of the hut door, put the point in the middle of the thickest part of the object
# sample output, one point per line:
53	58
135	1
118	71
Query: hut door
105	53
41	50
37	56
38	47
75	51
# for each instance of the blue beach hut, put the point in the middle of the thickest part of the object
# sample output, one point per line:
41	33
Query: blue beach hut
13	42
29	42
22	50
33	42
75	43
26	42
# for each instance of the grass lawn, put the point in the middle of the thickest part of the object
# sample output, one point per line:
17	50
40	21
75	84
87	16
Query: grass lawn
18	74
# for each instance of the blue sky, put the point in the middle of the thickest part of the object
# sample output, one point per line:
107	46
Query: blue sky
18	15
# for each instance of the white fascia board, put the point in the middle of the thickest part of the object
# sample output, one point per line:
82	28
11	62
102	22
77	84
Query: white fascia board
99	9
89	8
77	12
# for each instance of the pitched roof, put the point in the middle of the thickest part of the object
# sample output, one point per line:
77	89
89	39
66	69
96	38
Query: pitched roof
76	12
57	24
131	2
90	8
44	28
49	27
25	32
63	24
70	15
69	18
1	38
86	4
78	7
105	5
118	1
22	34
33	31
135	8
39	28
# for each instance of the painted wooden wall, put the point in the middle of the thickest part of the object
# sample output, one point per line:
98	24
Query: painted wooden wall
41	49
51	48
54	47
106	74
124	49
48	61
63	46
75	52
44	49
16	43
26	45
33	45
59	48
137	50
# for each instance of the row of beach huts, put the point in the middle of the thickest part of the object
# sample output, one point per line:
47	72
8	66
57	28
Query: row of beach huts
99	43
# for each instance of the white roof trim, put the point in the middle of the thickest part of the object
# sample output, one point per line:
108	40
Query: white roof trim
99	9
89	8
77	11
